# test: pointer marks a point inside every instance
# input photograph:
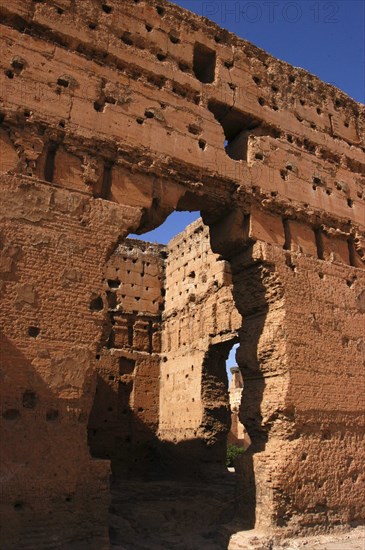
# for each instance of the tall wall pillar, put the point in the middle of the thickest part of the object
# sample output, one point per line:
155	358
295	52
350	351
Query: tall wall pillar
53	249
301	352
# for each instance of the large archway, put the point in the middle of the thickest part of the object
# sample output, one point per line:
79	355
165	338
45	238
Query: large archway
161	412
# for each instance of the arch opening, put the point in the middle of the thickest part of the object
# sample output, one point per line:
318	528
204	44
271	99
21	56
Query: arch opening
161	410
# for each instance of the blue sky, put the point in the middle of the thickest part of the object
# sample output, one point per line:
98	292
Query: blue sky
324	37
327	38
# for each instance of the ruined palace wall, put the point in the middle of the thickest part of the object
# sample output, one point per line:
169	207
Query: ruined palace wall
102	67
126	409
301	349
133	105
53	248
325	305
199	312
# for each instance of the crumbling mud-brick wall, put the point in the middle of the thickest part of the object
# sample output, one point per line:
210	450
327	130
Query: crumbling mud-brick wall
300	347
180	294
50	263
125	411
113	115
200	325
161	421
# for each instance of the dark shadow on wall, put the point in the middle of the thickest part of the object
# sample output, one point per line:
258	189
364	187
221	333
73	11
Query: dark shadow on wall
256	292
163	493
50	487
183	492
250	294
216	421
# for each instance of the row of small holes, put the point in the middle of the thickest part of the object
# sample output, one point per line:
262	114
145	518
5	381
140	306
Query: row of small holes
338	102
317	182
150	114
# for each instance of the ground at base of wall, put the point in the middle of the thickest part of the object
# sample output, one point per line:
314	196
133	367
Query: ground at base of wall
165	514
351	540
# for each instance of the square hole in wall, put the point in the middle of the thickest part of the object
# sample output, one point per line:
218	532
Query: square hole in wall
204	62
126	366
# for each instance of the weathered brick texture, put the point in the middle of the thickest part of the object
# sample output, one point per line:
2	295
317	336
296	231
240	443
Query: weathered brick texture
112	115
